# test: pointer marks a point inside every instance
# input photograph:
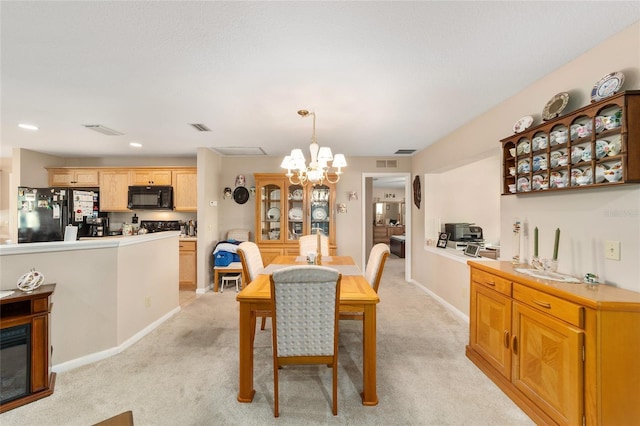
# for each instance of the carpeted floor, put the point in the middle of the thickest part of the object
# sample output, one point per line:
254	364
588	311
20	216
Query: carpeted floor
186	373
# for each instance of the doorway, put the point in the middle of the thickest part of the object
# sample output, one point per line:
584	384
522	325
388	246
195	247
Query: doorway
388	183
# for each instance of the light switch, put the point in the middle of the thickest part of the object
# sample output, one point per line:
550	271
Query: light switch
612	250
213	204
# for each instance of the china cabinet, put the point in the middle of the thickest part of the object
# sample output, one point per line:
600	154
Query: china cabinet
565	353
285	211
595	146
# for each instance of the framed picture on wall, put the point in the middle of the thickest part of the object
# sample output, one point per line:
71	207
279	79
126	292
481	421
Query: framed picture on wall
442	240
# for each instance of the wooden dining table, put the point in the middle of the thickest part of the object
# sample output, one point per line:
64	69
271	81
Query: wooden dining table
356	295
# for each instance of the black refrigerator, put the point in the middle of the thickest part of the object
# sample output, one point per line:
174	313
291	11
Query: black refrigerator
43	213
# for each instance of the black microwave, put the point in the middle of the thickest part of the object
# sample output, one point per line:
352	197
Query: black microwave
150	198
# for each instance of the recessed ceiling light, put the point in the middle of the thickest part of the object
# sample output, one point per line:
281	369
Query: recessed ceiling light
27	126
135	144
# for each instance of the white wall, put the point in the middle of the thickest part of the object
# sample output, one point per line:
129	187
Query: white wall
586	218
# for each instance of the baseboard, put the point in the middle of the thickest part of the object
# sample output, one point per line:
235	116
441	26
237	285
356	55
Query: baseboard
457	312
97	356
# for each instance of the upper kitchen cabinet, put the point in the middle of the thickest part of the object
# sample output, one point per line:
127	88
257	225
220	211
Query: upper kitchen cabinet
114	188
185	190
150	177
74	178
285	211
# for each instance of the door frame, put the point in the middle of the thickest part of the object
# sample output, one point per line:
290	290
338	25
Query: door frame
407	218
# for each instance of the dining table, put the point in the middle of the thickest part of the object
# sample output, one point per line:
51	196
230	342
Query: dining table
356	296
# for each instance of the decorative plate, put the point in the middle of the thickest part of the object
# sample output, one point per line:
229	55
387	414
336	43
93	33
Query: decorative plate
523	124
555	106
241	195
296	195
273	213
319	213
607	86
295	213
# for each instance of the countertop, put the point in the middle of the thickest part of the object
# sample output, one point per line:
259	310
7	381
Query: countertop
85	243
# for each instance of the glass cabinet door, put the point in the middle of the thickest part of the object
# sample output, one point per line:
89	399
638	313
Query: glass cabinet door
295	212
270	212
320	211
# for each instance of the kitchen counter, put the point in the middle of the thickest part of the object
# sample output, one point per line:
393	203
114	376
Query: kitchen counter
110	291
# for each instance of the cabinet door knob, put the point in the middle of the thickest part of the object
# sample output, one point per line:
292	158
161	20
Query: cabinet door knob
514	344
506	339
491	283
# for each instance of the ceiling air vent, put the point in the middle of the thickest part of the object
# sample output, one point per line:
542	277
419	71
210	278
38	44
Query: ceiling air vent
387	164
200	127
239	150
102	129
405	151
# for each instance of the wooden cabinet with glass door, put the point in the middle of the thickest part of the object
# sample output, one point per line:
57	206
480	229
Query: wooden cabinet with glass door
285	211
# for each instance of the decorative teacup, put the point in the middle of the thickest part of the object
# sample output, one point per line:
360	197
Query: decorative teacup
614	147
512	171
613	175
611	122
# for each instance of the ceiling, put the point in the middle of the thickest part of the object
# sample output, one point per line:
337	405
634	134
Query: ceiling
381	76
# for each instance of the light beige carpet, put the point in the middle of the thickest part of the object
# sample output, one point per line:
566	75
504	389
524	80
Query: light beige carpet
186	373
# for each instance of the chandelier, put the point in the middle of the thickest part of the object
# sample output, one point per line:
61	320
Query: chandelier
318	169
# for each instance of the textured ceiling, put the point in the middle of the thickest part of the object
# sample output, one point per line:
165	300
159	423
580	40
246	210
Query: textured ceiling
380	76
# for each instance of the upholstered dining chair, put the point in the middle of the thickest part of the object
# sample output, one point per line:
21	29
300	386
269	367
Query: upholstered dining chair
309	244
305	302
372	273
252	264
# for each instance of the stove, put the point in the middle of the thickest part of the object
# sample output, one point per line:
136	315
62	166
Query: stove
160	225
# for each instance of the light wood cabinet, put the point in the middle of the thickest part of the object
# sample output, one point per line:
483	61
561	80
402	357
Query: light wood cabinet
382	233
73	178
565	353
114	187
188	265
150	177
285	211
185	190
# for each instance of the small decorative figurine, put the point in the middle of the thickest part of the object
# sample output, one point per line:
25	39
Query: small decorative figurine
240	180
227	192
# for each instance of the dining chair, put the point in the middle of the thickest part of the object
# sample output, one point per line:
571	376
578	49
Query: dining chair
309	244
373	275
305	302
252	265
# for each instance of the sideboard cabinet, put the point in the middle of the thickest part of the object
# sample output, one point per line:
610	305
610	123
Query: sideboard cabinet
595	146
566	354
285	211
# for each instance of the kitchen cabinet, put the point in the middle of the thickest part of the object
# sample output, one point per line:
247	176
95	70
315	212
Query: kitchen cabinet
114	187
565	353
24	320
595	146
150	177
185	190
285	211
73	177
188	265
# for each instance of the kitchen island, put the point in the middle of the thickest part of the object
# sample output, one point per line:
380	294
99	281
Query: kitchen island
110	291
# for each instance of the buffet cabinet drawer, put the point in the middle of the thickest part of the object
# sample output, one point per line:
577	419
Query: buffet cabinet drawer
559	308
491	281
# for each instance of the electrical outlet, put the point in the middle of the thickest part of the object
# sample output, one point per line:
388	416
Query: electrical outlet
213	204
147	302
612	250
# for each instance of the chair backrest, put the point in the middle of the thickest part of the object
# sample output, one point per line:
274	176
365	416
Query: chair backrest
238	234
306	295
375	264
309	243
251	260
